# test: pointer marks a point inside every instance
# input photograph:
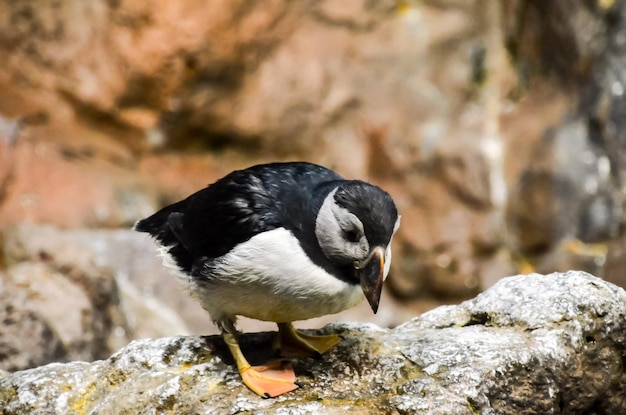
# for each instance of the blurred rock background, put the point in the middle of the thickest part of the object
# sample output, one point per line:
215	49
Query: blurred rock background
498	128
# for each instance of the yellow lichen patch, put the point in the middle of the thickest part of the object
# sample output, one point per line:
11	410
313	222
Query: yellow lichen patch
185	366
78	406
116	377
606	4
81	403
403	7
180	369
213	385
523	265
575	246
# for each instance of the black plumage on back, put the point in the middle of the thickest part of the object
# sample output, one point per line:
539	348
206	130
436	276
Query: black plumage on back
210	222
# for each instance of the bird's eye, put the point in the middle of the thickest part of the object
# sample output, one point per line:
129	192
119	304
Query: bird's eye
351	236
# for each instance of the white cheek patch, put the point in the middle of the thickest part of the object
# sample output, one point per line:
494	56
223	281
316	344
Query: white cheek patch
331	222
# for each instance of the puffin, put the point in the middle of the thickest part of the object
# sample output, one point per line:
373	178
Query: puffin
278	242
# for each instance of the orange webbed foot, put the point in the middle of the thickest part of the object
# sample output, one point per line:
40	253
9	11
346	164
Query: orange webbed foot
270	380
294	343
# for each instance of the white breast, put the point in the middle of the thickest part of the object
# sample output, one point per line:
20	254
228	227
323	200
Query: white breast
269	277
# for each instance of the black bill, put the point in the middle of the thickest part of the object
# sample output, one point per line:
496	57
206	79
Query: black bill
371	273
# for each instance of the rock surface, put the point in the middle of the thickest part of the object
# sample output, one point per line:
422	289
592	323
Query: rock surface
497	127
552	344
57	303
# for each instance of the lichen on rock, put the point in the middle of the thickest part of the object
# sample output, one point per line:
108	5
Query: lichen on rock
530	344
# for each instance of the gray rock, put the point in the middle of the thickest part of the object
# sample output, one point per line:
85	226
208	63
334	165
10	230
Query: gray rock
550	344
26	339
95	289
57	303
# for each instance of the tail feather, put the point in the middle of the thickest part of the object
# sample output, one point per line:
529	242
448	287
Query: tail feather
165	226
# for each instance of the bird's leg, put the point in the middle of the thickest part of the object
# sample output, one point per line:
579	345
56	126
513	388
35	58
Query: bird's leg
294	343
269	380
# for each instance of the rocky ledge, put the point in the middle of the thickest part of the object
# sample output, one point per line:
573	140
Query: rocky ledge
550	344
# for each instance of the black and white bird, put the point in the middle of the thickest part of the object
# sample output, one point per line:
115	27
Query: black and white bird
278	242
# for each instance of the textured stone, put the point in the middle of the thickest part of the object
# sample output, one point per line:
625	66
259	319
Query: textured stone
53	312
73	178
26	338
95	270
530	344
111	109
571	187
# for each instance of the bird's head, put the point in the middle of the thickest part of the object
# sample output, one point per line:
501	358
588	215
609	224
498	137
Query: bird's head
354	228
